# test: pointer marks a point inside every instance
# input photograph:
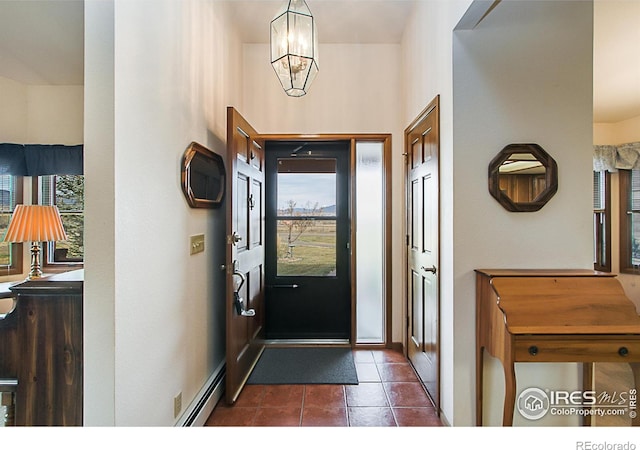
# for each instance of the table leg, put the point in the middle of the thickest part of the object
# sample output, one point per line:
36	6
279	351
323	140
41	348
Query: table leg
509	393
587	385
479	384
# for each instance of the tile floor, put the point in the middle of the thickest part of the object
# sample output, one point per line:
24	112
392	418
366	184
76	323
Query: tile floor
388	395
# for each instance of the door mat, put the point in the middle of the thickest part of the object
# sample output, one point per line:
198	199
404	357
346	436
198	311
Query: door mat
305	365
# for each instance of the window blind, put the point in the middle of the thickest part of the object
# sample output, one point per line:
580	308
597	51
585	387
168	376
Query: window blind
598	191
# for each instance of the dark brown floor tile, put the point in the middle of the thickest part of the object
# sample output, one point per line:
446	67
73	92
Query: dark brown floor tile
367	373
232	417
407	394
251	395
371	417
324	396
397	372
388	356
363	356
283	395
277	417
366	394
416	417
324	417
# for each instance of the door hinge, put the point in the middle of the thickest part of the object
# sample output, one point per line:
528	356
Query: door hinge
407	240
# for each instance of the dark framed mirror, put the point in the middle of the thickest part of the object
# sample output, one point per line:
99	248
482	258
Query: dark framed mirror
523	177
203	177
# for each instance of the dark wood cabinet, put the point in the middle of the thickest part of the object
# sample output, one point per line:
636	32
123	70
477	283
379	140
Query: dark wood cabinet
42	348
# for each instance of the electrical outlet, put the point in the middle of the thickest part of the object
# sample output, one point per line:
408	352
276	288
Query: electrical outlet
177	405
196	244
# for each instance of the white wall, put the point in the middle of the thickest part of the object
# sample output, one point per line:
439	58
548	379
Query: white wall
523	75
356	91
55	114
36	114
427	65
99	225
13	111
617	133
170	69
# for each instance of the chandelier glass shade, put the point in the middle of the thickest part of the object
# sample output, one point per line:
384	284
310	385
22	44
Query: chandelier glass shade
294	47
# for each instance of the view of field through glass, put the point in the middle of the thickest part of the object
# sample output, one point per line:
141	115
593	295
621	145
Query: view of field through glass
306	226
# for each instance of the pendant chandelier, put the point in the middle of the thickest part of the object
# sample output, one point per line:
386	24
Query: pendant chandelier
294	47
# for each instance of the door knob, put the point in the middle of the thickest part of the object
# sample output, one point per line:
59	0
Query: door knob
431	269
234	238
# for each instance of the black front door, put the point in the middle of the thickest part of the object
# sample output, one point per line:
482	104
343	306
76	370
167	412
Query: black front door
308	293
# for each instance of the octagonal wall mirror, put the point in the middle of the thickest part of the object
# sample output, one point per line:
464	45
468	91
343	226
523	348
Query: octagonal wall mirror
523	177
202	177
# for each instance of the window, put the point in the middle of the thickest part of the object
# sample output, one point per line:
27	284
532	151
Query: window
602	221
10	195
370	241
306	217
630	221
67	193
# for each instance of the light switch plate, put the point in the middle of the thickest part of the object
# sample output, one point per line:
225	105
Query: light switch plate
196	244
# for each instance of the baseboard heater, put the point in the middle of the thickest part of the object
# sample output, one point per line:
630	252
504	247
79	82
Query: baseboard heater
202	405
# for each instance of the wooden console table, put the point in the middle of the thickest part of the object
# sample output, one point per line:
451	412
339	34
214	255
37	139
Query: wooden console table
552	316
41	347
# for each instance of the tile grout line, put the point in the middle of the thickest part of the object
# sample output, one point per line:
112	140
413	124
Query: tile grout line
346	407
384	389
255	413
304	394
346	403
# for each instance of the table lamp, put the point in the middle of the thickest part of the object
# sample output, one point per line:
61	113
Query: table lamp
35	224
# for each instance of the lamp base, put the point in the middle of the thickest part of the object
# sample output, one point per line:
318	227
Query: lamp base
36	271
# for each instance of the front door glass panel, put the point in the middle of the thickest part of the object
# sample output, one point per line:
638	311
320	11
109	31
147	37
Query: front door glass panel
306	217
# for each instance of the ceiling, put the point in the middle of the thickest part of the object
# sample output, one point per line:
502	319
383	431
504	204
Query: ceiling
339	21
41	41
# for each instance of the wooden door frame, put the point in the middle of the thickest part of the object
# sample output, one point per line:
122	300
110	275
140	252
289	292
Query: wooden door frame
353	138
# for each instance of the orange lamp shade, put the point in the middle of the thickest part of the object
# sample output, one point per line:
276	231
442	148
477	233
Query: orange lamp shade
35	223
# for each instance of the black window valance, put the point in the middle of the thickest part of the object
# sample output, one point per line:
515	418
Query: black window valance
12	160
41	159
